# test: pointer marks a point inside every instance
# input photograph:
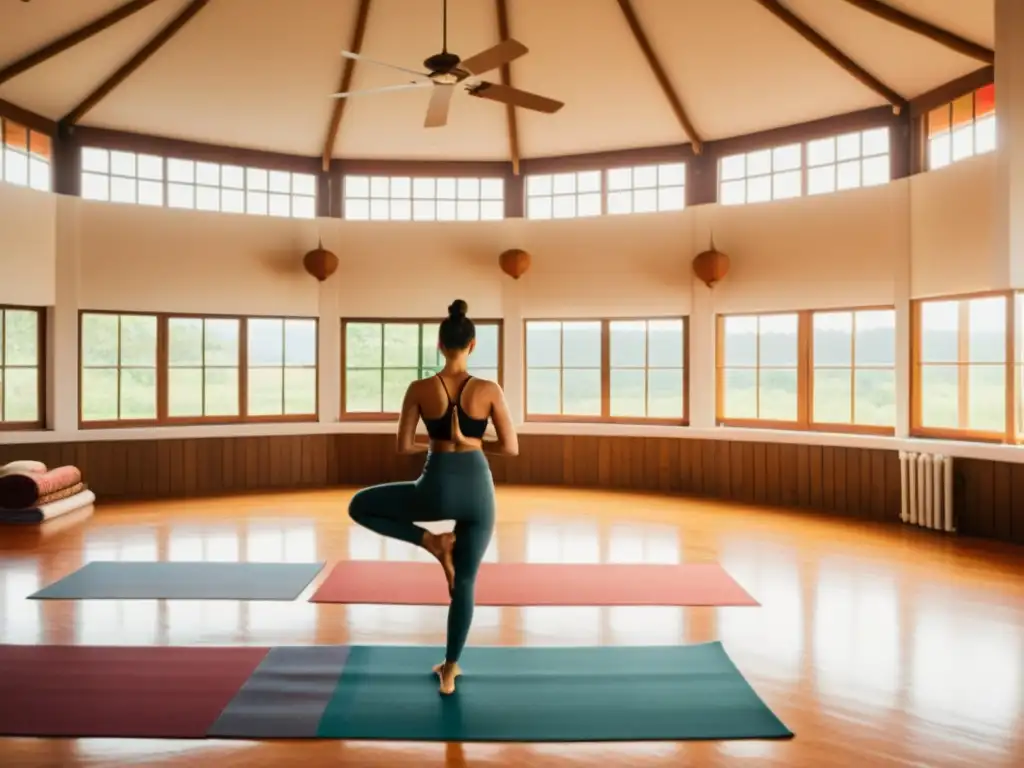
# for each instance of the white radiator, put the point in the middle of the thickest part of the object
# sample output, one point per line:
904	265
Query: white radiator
926	480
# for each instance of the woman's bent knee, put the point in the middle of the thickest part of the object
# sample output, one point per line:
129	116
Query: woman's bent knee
360	505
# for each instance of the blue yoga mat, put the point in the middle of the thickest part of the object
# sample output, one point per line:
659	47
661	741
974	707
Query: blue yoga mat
669	693
183	581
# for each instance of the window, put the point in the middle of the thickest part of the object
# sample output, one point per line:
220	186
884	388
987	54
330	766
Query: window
960	366
641	378
859	159
21	363
1019	356
828	370
384	198
854	368
382	357
127	177
564	195
767	174
122	177
647	188
25	156
166	369
963	128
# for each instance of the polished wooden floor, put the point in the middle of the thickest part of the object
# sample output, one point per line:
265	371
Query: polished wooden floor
878	645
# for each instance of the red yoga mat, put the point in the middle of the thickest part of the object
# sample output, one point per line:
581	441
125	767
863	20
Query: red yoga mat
405	583
51	690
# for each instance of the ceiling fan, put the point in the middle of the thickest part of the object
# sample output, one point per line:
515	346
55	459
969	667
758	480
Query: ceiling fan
447	71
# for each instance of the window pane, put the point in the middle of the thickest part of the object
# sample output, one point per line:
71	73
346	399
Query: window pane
777	395
628	395
21	337
665	343
665	394
874	397
185	342
221	341
940	323
940	398
485	354
266	391
20	397
138	393
986	336
221	392
986	385
581	345
833	396
100	342
266	342
627	343
364	346
185	392
777	339
543	344
740	341
300	391
401	345
138	340
740	392
300	342
99	394
396	382
363	391
833	338
543	391
582	394
876	337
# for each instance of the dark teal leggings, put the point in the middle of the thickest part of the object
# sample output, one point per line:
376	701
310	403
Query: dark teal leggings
453	486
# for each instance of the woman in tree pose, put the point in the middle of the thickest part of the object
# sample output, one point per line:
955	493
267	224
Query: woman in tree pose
456	483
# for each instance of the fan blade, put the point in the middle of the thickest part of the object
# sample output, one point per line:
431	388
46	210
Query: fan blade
515	97
403	87
437	109
492	58
360	57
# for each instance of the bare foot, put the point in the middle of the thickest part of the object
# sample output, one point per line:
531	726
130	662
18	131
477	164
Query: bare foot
446	674
441	545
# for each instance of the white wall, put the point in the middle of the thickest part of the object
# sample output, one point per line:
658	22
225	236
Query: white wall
929	235
27	246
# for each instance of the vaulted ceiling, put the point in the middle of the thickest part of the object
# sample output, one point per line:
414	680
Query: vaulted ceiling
259	73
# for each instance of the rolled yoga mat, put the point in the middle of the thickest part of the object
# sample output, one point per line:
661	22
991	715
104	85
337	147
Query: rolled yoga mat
505	694
183	581
413	583
160	692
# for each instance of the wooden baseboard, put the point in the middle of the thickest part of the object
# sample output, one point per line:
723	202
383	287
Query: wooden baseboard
851	482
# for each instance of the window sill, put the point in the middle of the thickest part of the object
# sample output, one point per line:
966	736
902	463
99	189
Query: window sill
953	448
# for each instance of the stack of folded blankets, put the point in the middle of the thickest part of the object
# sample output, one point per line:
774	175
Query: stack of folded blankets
31	493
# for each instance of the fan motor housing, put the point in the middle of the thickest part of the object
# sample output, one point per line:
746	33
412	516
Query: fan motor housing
441	63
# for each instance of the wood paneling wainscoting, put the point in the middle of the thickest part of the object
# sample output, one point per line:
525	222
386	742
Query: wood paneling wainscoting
852	482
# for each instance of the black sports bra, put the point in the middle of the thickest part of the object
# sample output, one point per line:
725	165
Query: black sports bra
441	427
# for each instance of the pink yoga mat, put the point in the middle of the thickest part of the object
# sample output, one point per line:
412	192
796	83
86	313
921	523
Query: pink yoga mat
404	583
51	690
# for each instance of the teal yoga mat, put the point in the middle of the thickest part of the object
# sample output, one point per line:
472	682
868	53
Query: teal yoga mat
183	581
669	693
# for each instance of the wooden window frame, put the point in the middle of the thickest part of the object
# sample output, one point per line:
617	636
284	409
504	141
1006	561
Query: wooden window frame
1010	434
41	367
605	416
388	416
922	127
29	152
607	191
804	421
163	374
576	172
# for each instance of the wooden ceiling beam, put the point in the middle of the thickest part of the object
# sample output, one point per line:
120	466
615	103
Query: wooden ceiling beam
812	36
918	26
506	79
348	68
141	57
72	39
659	73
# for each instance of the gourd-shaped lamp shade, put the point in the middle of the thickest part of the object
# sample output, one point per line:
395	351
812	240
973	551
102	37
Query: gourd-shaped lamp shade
711	266
514	263
320	263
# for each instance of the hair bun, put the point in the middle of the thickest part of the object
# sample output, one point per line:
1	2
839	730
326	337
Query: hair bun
457	309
